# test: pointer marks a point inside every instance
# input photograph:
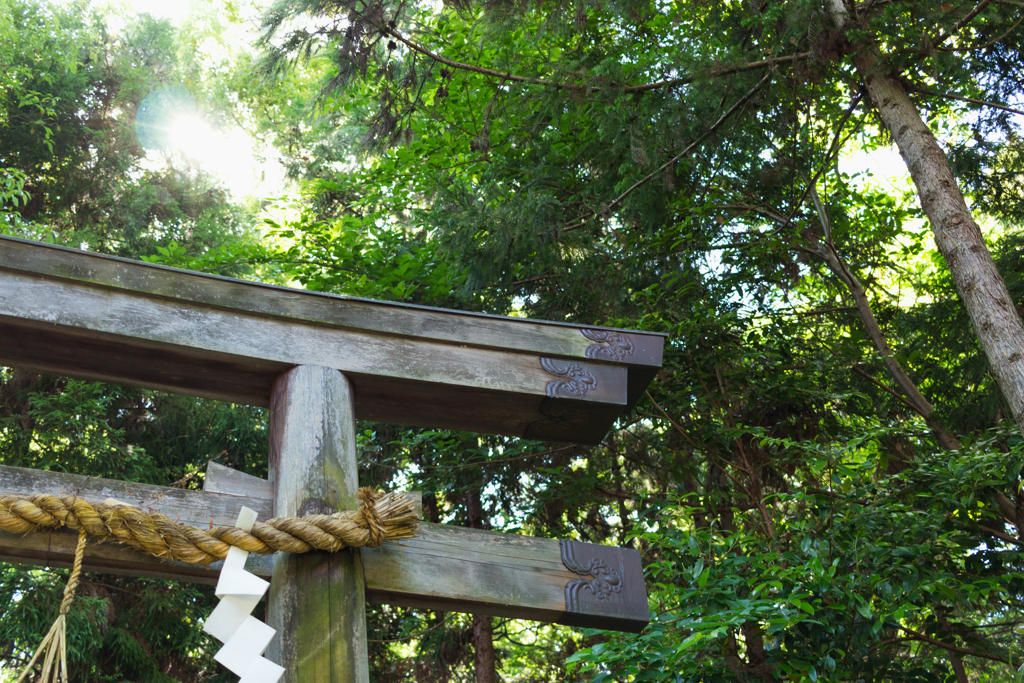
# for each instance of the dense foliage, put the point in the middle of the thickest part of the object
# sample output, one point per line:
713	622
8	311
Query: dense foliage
674	167
77	172
822	480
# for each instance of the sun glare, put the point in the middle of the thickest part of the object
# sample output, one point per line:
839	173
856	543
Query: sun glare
227	154
171	124
196	139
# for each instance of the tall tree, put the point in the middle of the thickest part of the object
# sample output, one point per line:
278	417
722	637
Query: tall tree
789	477
993	314
675	167
77	172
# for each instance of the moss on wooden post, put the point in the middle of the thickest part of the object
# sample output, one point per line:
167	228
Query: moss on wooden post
317	601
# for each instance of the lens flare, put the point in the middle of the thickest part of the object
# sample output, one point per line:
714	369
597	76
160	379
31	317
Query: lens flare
157	115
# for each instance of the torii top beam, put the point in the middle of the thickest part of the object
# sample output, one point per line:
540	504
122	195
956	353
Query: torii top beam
99	317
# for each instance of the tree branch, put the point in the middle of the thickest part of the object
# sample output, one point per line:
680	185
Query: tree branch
989	43
950	648
1001	536
824	311
470	67
535	278
646	179
886	389
833	149
827	252
724	71
994	105
414	635
963	22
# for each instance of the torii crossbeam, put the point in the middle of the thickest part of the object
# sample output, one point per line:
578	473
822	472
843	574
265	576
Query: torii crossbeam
319	362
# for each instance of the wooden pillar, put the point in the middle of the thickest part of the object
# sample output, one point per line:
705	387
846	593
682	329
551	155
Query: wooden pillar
316	600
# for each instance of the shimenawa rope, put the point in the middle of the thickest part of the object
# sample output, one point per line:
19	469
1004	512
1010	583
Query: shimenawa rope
380	517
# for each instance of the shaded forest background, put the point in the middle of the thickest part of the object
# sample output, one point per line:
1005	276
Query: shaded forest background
824	480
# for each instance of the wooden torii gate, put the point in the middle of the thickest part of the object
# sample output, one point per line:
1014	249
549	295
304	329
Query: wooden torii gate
319	362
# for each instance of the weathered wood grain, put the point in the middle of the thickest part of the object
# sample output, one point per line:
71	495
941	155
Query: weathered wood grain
221	479
444	568
231	482
195	508
204	330
92	316
469	570
502	575
393	318
317	600
112	336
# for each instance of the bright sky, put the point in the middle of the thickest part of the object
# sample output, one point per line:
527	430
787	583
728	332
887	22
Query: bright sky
225	152
885	165
175	10
183	129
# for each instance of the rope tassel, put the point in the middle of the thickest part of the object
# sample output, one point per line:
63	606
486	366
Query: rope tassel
380	517
54	647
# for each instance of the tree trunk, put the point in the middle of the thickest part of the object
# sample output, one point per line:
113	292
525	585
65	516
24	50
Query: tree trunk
483	646
957	236
757	657
483	629
954	658
958	668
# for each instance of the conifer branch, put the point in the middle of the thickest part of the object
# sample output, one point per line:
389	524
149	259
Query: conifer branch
470	67
837	142
987	44
724	71
963	22
646	179
971	100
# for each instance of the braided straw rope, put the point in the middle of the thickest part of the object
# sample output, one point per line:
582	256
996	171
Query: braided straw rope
54	647
380	517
